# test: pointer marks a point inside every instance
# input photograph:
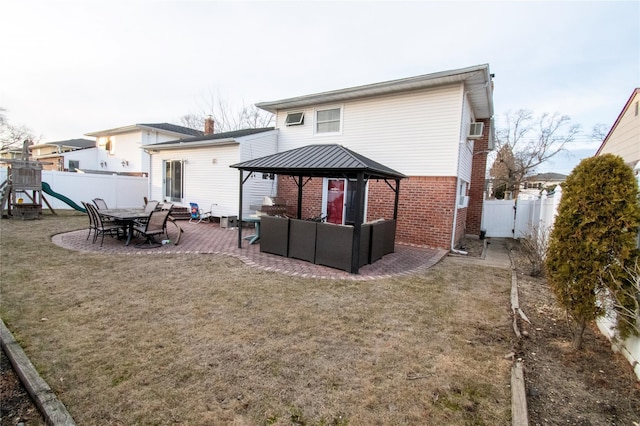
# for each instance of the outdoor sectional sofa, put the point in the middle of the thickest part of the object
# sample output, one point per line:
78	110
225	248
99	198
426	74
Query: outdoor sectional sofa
326	243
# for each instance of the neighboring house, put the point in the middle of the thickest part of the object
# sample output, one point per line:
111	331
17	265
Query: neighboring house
624	140
196	170
120	150
435	128
64	155
10	154
533	185
624	137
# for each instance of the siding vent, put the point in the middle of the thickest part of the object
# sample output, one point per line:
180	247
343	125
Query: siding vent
294	119
475	130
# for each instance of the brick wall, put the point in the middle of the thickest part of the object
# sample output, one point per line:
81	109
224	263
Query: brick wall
425	210
311	196
476	188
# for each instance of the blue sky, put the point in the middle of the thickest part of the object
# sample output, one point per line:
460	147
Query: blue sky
73	67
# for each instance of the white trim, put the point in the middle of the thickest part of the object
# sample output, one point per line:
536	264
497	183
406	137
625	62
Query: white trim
299	122
476	78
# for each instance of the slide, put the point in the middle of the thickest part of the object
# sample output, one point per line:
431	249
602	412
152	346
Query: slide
47	190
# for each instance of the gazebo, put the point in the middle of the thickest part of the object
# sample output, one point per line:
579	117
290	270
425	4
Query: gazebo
325	161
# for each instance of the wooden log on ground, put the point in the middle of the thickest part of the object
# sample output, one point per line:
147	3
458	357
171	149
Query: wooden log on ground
519	416
54	412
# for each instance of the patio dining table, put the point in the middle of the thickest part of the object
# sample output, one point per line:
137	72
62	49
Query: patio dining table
126	216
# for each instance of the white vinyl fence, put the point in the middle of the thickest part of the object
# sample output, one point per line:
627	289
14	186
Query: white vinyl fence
118	191
522	217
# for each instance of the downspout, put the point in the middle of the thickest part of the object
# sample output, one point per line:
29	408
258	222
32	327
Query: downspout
149	185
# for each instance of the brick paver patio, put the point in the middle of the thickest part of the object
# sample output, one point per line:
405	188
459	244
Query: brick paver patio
209	238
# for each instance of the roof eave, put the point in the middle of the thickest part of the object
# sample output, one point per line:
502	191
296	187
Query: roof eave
635	92
182	145
388	87
133	128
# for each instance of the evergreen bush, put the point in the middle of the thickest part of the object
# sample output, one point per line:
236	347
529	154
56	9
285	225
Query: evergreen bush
594	237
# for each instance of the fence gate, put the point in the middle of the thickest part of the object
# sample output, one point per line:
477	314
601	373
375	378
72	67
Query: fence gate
511	219
498	218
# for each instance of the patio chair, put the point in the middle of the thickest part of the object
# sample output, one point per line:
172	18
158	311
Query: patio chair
100	203
156	225
150	206
102	227
198	215
92	224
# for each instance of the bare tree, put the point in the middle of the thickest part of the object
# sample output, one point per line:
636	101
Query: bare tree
599	132
226	116
525	142
12	136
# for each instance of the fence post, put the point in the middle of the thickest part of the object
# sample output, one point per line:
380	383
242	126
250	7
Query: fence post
541	204
557	196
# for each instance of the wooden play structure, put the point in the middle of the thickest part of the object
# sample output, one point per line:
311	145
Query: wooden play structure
21	194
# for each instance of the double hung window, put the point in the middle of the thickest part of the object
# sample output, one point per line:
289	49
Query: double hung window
328	120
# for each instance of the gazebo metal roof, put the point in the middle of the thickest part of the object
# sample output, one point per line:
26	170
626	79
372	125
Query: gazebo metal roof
319	161
330	160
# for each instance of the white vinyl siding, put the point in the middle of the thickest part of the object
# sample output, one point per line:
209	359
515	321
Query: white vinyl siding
256	187
624	139
465	157
415	133
208	179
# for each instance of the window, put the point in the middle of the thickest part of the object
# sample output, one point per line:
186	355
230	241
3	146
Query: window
463	199
73	165
294	119
328	120
637	108
109	145
173	176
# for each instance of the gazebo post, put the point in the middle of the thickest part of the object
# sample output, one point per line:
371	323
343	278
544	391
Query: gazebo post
357	224
395	205
299	196
240	212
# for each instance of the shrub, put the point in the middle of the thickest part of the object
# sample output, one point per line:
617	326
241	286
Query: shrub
623	297
534	245
593	237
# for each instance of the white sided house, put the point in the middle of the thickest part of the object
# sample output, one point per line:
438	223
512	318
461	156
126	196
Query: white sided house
196	170
119	150
64	155
435	128
624	137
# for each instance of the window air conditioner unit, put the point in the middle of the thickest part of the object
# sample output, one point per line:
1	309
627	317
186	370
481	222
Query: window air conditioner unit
475	130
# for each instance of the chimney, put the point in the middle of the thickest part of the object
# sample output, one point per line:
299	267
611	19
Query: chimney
208	125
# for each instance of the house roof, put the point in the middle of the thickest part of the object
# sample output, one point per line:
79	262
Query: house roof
477	79
163	127
71	143
635	92
319	161
208	140
546	177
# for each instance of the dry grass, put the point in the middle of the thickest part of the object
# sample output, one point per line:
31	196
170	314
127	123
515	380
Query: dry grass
204	339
